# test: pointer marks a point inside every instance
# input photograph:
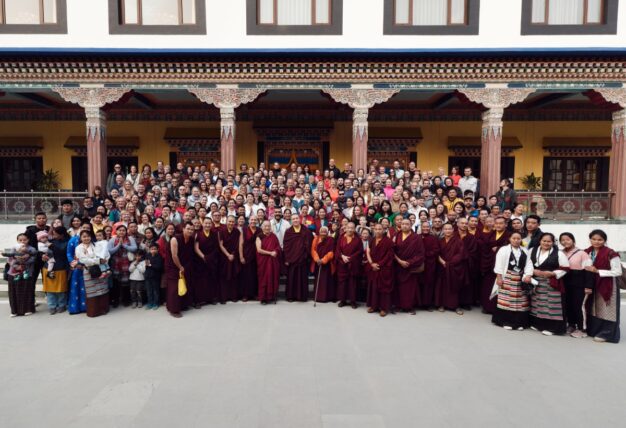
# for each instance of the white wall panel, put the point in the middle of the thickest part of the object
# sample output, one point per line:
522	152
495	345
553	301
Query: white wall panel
500	23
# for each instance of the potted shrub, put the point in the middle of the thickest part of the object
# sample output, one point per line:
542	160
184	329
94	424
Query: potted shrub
536	202
50	181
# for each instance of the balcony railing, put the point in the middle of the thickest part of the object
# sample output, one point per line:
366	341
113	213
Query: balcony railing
567	205
24	205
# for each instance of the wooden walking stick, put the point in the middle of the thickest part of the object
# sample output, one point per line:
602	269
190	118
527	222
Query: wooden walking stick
317	285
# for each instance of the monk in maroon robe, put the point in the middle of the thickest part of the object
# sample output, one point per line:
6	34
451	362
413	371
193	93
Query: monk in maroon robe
409	258
380	257
247	280
179	260
348	262
428	278
466	296
268	255
323	266
229	261
474	274
490	243
296	248
451	270
206	273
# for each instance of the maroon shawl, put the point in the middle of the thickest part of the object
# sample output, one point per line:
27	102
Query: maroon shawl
410	250
454	254
296	245
268	267
353	250
604	285
382	253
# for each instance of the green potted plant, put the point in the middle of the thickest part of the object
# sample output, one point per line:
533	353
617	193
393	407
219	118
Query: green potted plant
50	181
531	182
535	201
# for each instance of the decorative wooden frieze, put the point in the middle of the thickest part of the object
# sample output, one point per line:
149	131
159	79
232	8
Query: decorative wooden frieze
313	69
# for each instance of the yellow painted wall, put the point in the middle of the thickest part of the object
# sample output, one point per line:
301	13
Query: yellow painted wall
431	152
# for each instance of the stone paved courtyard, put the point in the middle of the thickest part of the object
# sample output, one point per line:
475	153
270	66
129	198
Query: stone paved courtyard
290	365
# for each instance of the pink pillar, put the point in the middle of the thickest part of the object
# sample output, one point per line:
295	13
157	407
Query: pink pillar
359	139
96	148
617	175
491	151
227	142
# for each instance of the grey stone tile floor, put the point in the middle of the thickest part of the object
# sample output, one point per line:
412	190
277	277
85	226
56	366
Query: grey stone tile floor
295	366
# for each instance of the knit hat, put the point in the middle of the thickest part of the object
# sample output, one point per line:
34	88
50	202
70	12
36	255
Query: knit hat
41	235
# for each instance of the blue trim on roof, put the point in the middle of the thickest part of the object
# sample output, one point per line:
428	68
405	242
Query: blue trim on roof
321	51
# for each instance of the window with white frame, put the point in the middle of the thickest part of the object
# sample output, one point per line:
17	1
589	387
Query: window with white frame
294	12
157	12
25	12
430	12
568	12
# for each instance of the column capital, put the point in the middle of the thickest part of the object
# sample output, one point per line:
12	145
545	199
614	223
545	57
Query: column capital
361	98
613	95
496	98
90	98
619	125
226	97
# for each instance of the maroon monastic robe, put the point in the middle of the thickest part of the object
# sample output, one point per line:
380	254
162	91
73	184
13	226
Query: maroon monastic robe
348	273
467	298
247	280
487	242
207	272
428	278
453	277
411	250
186	256
325	286
380	282
296	247
268	268
229	269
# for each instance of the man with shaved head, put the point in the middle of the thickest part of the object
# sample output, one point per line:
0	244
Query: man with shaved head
322	252
348	258
229	261
297	246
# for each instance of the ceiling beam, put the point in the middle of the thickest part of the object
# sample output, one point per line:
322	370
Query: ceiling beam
37	99
548	99
443	100
144	101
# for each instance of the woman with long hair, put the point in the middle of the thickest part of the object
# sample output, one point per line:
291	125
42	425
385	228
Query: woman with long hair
514	270
547	309
578	285
605	309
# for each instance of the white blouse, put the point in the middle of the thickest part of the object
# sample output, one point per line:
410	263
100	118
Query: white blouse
616	269
503	256
563	261
87	255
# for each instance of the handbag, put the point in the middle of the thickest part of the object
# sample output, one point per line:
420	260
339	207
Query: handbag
182	285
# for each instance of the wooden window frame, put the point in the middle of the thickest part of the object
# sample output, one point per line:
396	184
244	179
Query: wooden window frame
313	14
58	27
546	16
41	14
601	173
333	28
117	26
122	9
448	13
610	11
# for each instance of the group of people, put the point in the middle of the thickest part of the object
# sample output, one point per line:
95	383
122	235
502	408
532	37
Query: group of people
398	238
